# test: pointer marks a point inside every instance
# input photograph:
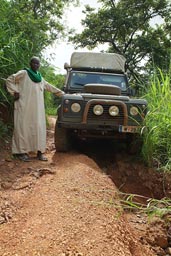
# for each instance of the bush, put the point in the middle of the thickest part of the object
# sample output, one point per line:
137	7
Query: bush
157	137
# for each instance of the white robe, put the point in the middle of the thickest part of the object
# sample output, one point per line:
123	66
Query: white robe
29	112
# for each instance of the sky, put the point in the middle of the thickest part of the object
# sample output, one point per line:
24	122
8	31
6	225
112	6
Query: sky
60	52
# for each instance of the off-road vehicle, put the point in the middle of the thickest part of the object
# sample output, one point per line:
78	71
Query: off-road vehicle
98	102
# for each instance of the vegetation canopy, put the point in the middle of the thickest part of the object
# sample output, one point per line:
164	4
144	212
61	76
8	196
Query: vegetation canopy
128	28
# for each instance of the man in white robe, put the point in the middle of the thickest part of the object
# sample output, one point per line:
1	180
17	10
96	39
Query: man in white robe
29	111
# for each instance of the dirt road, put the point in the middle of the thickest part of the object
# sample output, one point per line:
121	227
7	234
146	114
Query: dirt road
69	206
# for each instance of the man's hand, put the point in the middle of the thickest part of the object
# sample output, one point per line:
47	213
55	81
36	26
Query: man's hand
16	96
60	94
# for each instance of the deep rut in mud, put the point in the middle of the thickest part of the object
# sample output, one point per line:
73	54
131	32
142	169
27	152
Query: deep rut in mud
142	184
126	171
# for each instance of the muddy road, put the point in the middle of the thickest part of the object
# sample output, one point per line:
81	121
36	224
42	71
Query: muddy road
71	205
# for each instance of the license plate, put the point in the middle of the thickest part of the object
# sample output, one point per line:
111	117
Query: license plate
130	129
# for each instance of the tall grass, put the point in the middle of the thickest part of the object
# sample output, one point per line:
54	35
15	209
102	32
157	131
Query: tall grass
5	101
50	104
157	138
143	205
5	131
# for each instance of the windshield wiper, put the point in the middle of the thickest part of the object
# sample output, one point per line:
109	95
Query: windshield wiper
78	84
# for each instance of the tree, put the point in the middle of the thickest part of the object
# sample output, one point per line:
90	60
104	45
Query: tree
126	26
26	28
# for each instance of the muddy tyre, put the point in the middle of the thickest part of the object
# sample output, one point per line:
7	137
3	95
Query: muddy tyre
134	144
62	139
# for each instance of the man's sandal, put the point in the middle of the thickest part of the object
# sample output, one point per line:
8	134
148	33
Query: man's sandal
41	157
23	157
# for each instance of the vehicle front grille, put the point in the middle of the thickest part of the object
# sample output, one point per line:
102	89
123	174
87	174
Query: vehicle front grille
106	118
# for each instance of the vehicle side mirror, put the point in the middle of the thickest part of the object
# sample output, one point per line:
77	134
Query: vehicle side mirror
66	66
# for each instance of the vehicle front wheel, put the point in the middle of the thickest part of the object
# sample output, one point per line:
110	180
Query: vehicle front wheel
134	144
62	139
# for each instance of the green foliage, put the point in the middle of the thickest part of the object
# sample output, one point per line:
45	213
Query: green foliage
5	100
52	101
157	136
125	25
26	28
152	207
5	130
48	72
3	95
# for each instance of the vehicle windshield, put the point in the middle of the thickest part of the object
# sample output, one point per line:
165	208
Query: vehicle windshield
79	79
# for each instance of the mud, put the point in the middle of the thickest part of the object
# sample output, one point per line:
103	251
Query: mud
93	174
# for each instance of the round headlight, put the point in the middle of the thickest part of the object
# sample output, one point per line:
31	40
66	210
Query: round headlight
75	107
134	111
98	110
113	111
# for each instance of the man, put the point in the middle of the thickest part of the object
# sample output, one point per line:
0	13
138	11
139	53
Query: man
27	86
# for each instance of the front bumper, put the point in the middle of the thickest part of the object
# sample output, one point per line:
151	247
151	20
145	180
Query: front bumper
87	123
96	131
